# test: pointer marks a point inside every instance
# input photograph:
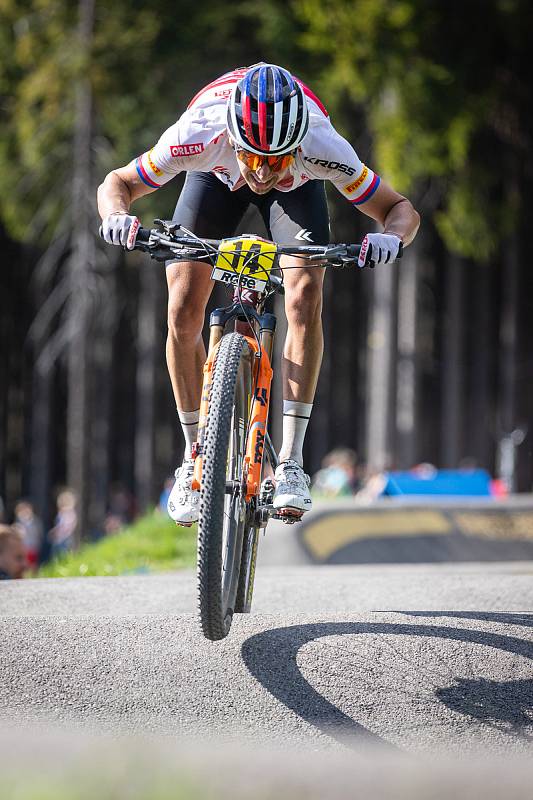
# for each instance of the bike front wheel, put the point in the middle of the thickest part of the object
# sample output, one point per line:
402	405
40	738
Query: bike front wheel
222	517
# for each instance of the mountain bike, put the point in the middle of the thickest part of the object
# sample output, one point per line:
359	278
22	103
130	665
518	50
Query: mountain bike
234	458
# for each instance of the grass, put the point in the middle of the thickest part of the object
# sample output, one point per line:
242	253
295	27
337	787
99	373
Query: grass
152	544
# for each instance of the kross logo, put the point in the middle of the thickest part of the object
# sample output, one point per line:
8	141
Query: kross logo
347	170
304	235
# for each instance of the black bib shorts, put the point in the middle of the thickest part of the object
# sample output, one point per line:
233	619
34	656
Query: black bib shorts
209	209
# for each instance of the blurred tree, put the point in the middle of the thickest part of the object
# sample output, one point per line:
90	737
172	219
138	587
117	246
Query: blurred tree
435	95
84	90
445	93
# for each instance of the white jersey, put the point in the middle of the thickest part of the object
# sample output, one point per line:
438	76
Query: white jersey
199	141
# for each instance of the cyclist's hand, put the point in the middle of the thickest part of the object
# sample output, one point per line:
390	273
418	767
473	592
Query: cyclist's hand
120	229
378	248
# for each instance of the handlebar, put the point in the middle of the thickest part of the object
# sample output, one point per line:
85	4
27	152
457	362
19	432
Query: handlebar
171	242
147	238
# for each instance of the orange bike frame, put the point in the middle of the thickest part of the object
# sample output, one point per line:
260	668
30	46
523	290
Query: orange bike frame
261	380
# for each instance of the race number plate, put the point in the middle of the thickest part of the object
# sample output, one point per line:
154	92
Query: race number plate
245	261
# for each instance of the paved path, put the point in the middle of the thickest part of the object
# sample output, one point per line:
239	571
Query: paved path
410	658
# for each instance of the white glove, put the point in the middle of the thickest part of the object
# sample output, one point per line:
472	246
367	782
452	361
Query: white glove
120	229
379	248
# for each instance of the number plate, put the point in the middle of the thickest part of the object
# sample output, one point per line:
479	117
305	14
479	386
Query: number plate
245	261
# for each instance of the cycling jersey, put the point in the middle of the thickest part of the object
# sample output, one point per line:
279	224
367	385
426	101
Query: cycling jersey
199	141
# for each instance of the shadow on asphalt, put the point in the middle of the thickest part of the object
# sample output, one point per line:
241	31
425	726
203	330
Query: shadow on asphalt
271	657
506	706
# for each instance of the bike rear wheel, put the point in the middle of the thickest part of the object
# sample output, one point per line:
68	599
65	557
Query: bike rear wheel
223	509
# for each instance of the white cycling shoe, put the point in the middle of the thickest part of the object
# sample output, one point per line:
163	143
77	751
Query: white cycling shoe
292	488
183	501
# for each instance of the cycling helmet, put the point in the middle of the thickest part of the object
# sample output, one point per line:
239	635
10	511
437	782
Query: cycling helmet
267	111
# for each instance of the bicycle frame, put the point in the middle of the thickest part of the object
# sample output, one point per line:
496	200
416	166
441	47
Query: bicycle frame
257	440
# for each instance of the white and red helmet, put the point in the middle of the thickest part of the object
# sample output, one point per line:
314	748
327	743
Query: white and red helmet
267	111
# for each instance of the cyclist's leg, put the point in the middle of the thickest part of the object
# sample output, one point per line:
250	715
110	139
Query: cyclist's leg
302	213
207	208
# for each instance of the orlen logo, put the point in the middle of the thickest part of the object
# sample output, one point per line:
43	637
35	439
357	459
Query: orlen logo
178	150
356	184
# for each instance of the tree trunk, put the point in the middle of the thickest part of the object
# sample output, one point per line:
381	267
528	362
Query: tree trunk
146	376
406	375
452	368
510	436
40	467
80	265
381	366
101	370
481	423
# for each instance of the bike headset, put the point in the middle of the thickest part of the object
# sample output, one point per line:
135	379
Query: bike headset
267	111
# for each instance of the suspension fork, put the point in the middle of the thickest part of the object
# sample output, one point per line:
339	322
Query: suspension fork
261	381
258	435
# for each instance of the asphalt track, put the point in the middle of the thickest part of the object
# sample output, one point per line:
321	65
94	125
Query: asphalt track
410	659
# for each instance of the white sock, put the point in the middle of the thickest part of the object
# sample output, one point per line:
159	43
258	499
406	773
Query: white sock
295	419
189	425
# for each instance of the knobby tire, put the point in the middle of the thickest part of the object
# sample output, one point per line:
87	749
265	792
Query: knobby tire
222	516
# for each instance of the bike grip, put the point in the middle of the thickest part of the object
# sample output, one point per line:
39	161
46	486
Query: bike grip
143	235
353	250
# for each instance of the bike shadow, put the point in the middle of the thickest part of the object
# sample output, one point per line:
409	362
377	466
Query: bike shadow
271	657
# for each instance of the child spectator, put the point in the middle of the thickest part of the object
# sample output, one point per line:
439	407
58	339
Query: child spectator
61	535
12	553
31	528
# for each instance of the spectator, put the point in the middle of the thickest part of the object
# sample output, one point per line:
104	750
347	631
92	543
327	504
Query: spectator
31	528
113	524
12	553
121	503
340	474
61	536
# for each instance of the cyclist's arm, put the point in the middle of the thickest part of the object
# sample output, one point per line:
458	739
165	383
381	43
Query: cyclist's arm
394	211
364	189
186	145
120	189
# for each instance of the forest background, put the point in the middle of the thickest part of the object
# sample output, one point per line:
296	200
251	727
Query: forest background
430	360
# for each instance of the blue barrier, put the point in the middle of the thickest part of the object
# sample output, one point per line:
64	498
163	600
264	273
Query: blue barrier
454	482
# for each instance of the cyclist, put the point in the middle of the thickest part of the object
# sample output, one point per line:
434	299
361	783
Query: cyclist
256	135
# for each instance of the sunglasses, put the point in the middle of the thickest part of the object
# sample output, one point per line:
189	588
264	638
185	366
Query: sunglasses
254	161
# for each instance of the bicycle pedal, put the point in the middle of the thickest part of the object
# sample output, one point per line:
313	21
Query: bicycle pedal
289	516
